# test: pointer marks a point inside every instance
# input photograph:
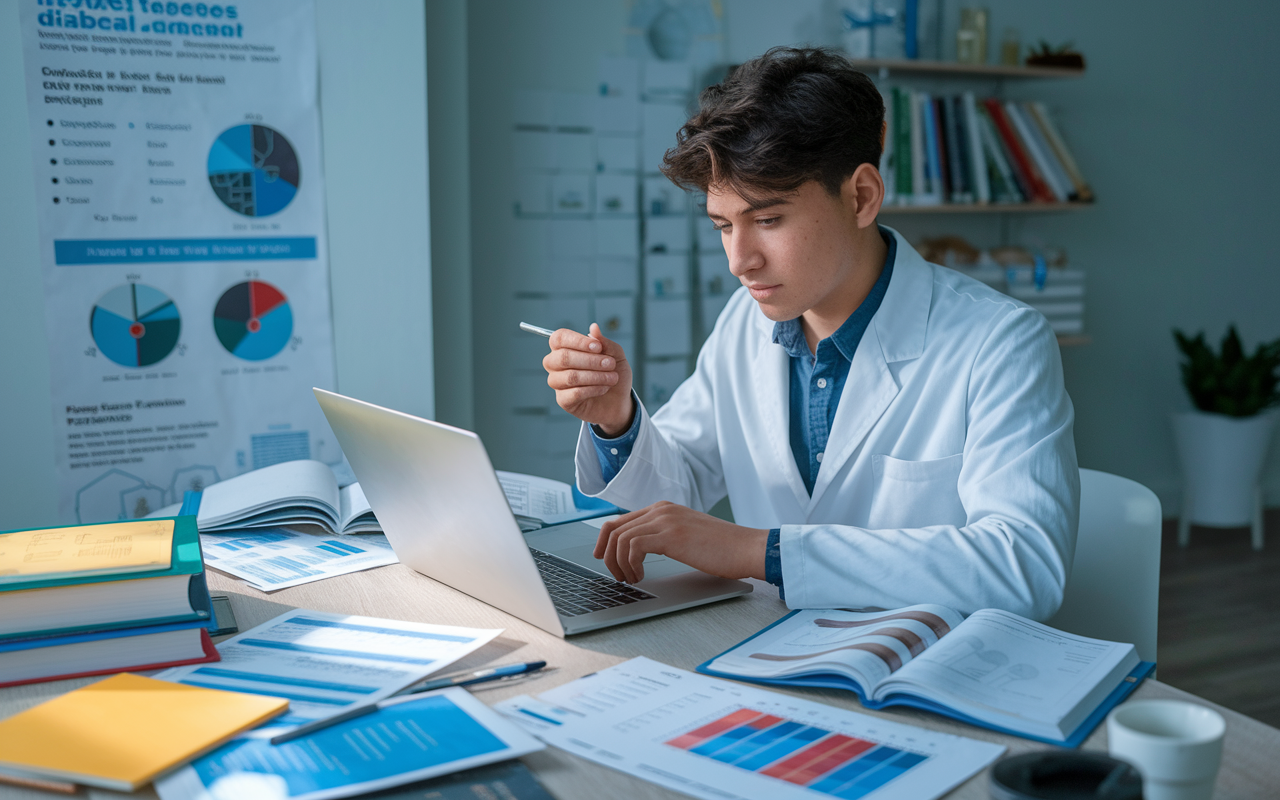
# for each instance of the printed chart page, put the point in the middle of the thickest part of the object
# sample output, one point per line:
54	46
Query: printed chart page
408	739
326	663
715	739
271	559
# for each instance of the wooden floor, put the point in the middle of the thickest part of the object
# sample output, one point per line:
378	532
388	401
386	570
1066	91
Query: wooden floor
1220	618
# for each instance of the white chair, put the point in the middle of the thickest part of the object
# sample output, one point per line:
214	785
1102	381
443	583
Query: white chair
1114	589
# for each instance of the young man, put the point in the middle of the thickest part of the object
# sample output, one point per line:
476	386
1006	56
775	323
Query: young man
888	432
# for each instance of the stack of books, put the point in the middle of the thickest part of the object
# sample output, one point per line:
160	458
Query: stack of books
958	149
98	599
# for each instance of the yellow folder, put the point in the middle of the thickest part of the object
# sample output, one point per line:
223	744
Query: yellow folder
122	732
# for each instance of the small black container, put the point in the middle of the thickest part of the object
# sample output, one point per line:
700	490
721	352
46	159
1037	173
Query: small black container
1064	775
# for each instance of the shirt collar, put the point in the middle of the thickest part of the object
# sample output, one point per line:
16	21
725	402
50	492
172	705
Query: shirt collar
790	334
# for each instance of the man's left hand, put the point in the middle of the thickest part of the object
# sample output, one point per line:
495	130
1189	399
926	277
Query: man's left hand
700	540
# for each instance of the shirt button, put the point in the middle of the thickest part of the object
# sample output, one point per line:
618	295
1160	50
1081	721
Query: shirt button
822	383
819	458
613	450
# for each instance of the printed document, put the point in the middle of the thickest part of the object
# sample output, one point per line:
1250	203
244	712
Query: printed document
408	739
276	558
714	739
325	663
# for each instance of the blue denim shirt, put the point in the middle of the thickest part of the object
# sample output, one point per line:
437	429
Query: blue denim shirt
816	382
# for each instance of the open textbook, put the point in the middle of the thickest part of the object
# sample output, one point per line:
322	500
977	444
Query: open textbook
292	493
306	492
993	669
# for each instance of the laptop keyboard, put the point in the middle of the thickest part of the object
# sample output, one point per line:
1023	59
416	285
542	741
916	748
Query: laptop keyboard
576	590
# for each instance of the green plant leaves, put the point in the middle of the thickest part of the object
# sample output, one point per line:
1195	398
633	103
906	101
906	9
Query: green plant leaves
1229	382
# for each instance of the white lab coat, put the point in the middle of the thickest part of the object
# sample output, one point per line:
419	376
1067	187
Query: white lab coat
950	473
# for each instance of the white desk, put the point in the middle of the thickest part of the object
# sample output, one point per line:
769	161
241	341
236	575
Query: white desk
1251	761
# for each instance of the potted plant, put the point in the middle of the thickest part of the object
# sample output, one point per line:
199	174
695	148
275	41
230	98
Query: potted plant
1222	444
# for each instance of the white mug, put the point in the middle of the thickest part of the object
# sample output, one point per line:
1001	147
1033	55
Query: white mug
1177	746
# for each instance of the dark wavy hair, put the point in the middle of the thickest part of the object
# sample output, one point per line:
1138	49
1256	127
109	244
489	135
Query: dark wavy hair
791	116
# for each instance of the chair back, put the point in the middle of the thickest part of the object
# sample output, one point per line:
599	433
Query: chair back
1114	588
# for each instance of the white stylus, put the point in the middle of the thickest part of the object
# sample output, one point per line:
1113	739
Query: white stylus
526	327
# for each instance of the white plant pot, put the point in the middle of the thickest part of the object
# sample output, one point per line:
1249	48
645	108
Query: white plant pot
1221	460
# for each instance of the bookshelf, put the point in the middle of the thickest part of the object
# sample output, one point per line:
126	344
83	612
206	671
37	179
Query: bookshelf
985	208
916	72
885	66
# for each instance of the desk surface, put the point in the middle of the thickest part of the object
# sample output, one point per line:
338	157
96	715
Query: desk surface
1251	759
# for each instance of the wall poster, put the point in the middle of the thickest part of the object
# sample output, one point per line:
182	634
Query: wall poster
182	236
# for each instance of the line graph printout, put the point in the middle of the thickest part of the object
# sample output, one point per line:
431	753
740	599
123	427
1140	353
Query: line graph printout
715	739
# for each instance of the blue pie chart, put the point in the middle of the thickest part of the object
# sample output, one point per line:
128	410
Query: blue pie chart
135	325
253	170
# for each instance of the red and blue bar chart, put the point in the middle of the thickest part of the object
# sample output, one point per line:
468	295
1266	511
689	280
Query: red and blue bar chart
818	759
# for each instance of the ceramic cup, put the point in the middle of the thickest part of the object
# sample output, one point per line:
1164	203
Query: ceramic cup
1176	745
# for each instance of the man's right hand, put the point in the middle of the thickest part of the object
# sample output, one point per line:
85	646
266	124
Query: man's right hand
592	379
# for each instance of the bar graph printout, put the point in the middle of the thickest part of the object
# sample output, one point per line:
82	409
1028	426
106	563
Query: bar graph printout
326	663
270	559
715	739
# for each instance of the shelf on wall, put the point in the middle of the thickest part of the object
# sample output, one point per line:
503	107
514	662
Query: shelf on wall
1073	341
956	69
989	208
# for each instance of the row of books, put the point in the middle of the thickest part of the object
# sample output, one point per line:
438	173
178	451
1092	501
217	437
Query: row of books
99	599
958	149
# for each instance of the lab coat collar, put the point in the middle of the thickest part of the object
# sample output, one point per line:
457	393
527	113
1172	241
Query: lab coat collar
903	318
896	333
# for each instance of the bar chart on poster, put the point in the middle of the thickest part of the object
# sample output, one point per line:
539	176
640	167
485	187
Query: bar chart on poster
716	739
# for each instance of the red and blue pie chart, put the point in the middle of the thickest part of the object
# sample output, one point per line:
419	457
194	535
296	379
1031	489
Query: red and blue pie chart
135	325
253	320
253	170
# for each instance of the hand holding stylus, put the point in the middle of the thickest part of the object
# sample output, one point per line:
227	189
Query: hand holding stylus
591	376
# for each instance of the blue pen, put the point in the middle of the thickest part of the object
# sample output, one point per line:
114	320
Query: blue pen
468	678
463	679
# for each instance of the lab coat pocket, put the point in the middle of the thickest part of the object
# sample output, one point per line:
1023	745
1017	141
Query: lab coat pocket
916	494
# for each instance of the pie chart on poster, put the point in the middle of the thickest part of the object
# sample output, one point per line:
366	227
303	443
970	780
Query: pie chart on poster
253	320
253	170
135	325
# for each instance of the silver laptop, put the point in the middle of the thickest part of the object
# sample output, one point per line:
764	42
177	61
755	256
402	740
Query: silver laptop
438	499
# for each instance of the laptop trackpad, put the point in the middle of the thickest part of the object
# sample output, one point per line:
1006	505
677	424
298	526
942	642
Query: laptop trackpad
655	566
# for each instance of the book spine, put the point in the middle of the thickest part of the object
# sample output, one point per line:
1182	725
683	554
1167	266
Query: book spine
1057	182
933	161
206	644
920	188
941	130
1017	158
1011	192
977	162
1051	155
888	173
964	172
902	131
1041	115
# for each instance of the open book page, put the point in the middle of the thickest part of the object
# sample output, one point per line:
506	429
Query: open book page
1015	673
863	646
292	483
355	515
531	496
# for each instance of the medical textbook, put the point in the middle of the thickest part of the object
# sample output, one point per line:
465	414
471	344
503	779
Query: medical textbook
993	669
95	578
